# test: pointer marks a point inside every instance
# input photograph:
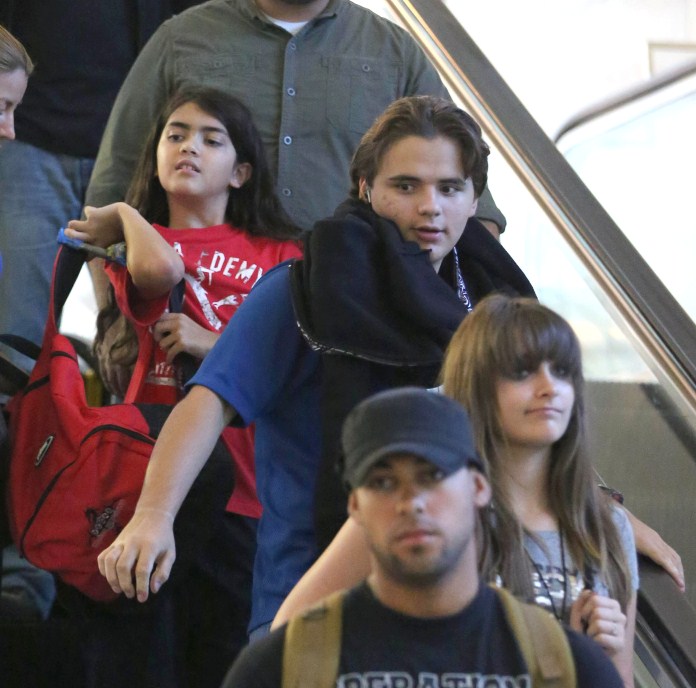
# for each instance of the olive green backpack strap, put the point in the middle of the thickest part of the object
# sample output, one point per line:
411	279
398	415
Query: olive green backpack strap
542	642
313	645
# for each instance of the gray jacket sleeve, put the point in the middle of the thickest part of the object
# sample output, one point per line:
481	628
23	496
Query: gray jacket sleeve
142	95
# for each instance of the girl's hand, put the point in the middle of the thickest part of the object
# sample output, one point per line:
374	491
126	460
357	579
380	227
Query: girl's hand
601	619
176	333
650	543
101	226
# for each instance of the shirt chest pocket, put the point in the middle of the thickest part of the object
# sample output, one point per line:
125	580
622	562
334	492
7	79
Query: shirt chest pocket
358	90
229	72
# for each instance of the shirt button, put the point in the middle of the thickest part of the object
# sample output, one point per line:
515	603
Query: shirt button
287	140
291	91
366	68
286	192
292	45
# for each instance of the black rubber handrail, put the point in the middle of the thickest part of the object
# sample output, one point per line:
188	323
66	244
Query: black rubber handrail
670	617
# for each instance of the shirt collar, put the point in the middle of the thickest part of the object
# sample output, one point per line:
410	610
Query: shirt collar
331	10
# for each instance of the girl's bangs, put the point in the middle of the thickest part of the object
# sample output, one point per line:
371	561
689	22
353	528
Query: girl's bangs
534	334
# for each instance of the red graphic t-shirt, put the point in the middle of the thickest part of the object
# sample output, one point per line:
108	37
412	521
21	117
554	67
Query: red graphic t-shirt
222	264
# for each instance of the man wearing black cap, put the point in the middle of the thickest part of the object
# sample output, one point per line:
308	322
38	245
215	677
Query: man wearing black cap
422	618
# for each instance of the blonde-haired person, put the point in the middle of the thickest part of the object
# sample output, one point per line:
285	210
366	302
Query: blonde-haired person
15	68
82	51
27	592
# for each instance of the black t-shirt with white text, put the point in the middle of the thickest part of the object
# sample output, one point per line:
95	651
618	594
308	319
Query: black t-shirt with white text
381	647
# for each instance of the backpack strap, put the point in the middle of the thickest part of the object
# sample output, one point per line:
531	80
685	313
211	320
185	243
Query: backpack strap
313	645
542	642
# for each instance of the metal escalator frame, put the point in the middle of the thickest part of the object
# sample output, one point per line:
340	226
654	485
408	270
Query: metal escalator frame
656	320
665	629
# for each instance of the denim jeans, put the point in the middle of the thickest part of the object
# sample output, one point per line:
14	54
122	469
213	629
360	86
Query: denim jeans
39	193
32	589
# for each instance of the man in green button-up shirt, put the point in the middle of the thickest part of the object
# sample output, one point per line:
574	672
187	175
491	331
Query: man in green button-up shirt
315	74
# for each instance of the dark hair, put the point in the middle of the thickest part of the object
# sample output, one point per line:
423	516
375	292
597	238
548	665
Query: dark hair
12	54
253	207
425	116
501	337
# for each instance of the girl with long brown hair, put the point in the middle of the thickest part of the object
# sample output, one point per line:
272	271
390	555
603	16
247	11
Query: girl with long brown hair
201	210
553	538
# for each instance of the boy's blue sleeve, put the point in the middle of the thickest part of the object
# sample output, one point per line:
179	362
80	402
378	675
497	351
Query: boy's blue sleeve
260	352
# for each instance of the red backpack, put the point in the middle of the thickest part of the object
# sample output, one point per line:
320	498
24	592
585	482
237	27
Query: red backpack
76	471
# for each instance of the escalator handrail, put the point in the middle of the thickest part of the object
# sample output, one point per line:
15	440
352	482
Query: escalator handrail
669	616
627	97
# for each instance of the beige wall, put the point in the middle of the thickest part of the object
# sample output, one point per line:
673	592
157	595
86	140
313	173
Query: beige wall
561	56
